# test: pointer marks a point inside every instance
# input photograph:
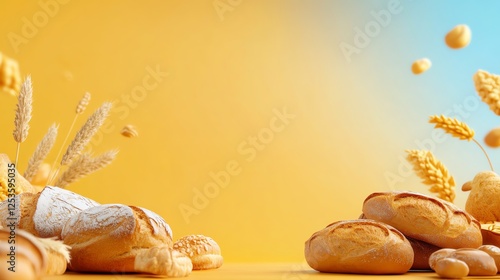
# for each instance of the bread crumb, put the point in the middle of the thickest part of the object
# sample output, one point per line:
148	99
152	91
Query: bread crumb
129	131
420	66
459	37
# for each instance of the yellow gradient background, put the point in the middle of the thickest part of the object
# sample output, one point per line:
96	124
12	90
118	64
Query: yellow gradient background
223	78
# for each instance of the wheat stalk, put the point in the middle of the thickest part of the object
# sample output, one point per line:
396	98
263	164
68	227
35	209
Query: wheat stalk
80	108
457	129
41	152
84	165
433	173
453	126
23	114
488	88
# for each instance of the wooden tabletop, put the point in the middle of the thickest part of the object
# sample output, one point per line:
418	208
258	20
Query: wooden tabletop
264	271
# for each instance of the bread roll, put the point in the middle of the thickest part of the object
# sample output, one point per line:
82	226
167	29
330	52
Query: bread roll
425	218
203	251
107	238
21	184
359	246
45	213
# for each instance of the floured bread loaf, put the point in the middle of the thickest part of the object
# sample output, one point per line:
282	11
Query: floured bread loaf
45	213
107	238
425	218
22	185
359	246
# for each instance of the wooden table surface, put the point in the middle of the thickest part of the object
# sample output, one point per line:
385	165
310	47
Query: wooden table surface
264	271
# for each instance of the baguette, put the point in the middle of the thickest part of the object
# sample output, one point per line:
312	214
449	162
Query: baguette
359	246
425	218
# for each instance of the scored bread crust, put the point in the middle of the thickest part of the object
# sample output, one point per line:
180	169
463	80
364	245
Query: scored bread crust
359	246
425	218
108	237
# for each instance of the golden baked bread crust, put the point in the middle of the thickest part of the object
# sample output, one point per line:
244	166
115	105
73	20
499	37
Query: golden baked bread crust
425	218
359	246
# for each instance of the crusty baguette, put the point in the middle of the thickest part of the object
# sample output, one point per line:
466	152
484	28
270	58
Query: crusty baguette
425	218
107	238
359	246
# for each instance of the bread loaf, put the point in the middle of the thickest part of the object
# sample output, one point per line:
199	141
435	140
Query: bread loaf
483	202
45	213
107	238
421	254
163	261
425	218
359	246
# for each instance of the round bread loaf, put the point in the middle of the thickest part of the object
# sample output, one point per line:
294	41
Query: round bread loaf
425	218
107	238
359	246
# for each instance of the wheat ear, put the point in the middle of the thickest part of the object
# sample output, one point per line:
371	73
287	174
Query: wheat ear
23	114
433	173
83	166
488	88
84	135
41	152
80	108
457	129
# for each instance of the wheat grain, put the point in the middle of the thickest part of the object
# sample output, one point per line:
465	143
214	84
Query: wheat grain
84	165
85	133
82	105
453	126
488	88
41	152
433	173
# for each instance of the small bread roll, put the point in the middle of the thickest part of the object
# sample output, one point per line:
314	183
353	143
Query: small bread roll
107	238
359	246
203	251
479	262
425	218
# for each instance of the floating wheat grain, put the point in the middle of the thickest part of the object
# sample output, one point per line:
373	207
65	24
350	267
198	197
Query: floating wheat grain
433	173
457	129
